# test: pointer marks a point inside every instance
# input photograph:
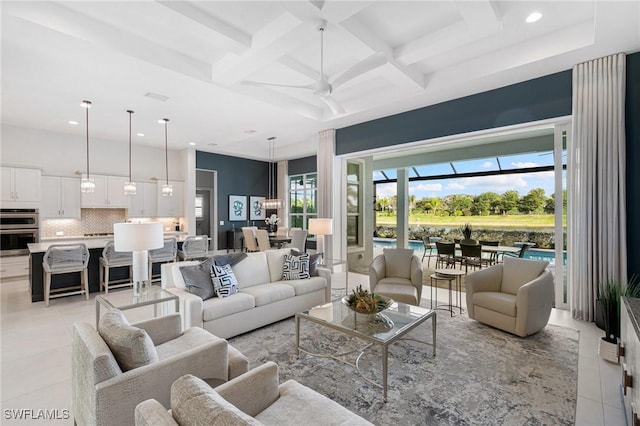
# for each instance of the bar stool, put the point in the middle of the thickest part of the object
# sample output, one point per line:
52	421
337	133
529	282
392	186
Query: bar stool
64	259
166	253
114	259
194	247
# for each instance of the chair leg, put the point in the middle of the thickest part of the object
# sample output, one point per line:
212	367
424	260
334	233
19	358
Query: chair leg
47	287
106	279
101	269
85	279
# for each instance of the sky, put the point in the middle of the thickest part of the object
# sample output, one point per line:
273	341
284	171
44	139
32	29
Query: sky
521	182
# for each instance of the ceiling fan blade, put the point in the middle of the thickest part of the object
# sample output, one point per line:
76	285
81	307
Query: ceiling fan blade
259	83
335	107
367	64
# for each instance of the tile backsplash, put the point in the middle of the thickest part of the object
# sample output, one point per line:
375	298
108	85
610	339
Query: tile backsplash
92	221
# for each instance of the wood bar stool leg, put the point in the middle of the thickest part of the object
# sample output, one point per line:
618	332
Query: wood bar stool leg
47	287
106	279
85	279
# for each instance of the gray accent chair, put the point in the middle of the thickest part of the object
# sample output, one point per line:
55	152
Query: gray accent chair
515	296
104	394
397	273
255	398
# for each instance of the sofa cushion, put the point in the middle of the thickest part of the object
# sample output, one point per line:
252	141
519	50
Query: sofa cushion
314	259
269	293
252	270
516	272
131	346
218	308
275	262
398	262
295	267
193	402
191	338
504	303
224	280
178	280
197	279
287	409
308	285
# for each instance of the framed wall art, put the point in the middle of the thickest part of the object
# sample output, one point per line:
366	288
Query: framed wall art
256	208
237	207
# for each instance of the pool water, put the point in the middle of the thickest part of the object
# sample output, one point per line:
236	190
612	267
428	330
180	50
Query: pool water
532	253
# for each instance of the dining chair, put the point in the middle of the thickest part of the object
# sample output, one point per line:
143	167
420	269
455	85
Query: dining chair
249	240
282	232
493	256
298	240
446	254
262	236
472	256
430	249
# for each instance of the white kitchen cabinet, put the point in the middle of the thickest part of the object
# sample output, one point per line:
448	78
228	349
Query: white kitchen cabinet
14	266
629	349
171	206
144	203
60	198
108	193
20	187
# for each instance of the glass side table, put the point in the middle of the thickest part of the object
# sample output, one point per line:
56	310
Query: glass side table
155	297
331	264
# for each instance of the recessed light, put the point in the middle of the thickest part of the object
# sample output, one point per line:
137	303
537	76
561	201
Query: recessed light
533	17
212	144
249	131
74	123
192	143
140	134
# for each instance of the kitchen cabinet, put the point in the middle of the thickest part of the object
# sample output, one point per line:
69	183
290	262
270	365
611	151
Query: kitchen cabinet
60	198
144	203
108	193
14	266
171	206
20	188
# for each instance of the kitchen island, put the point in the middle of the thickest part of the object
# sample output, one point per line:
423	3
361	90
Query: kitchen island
58	281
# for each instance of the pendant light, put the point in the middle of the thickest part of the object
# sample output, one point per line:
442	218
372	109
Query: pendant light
167	189
86	183
272	202
130	186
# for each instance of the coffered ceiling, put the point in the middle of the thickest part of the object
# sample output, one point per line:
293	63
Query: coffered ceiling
190	61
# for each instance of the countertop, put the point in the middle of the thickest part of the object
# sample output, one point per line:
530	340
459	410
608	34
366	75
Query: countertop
92	242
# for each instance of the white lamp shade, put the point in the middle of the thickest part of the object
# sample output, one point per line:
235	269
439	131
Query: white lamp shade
138	236
321	226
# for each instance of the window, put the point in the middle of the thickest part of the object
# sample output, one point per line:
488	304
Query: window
199	201
303	199
354	204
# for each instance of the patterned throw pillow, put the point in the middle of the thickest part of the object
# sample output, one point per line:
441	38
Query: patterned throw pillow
295	267
314	259
224	280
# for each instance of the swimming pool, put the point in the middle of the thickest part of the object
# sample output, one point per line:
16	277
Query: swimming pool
532	253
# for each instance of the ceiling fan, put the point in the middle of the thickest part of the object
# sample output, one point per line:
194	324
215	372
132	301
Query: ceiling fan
324	87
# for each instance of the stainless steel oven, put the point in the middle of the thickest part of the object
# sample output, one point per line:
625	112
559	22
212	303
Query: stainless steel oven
18	227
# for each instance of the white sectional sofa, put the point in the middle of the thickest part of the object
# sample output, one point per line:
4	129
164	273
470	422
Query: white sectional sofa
264	297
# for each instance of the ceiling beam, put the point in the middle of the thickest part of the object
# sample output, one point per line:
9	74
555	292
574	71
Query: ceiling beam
59	18
193	12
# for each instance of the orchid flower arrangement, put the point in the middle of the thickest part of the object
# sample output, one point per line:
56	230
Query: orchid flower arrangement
272	220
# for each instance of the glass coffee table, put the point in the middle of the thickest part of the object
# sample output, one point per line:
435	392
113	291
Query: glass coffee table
155	296
396	323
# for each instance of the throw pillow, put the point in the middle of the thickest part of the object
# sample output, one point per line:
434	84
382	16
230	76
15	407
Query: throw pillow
314	259
131	346
295	267
197	279
224	280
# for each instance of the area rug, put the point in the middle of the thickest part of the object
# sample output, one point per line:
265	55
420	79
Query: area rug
479	376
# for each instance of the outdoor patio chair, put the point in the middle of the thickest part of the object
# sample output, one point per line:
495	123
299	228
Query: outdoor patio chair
446	254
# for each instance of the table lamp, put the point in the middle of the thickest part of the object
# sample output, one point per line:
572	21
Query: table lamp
138	238
320	228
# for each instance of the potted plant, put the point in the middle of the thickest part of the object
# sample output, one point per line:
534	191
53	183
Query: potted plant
466	230
272	222
608	311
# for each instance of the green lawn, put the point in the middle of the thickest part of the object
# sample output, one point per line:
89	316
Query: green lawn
500	222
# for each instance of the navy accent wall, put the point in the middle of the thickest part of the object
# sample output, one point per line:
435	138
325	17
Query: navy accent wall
236	176
304	165
632	118
532	100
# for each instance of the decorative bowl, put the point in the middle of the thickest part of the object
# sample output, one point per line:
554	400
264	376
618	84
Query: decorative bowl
363	302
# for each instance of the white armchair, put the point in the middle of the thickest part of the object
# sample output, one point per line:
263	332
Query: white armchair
397	273
103	393
516	296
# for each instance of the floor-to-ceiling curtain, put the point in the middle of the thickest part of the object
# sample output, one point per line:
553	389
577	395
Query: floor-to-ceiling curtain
325	162
596	182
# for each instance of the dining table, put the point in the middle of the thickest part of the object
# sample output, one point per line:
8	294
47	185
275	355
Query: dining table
278	241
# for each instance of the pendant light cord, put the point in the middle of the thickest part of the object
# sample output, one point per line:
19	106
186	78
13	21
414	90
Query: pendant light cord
130	113
87	105
166	151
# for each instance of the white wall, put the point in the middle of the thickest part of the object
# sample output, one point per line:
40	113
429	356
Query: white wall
60	154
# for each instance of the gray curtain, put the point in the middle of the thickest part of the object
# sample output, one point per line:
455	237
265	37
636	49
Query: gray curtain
596	220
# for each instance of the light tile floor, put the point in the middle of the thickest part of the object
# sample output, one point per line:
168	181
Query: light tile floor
35	355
